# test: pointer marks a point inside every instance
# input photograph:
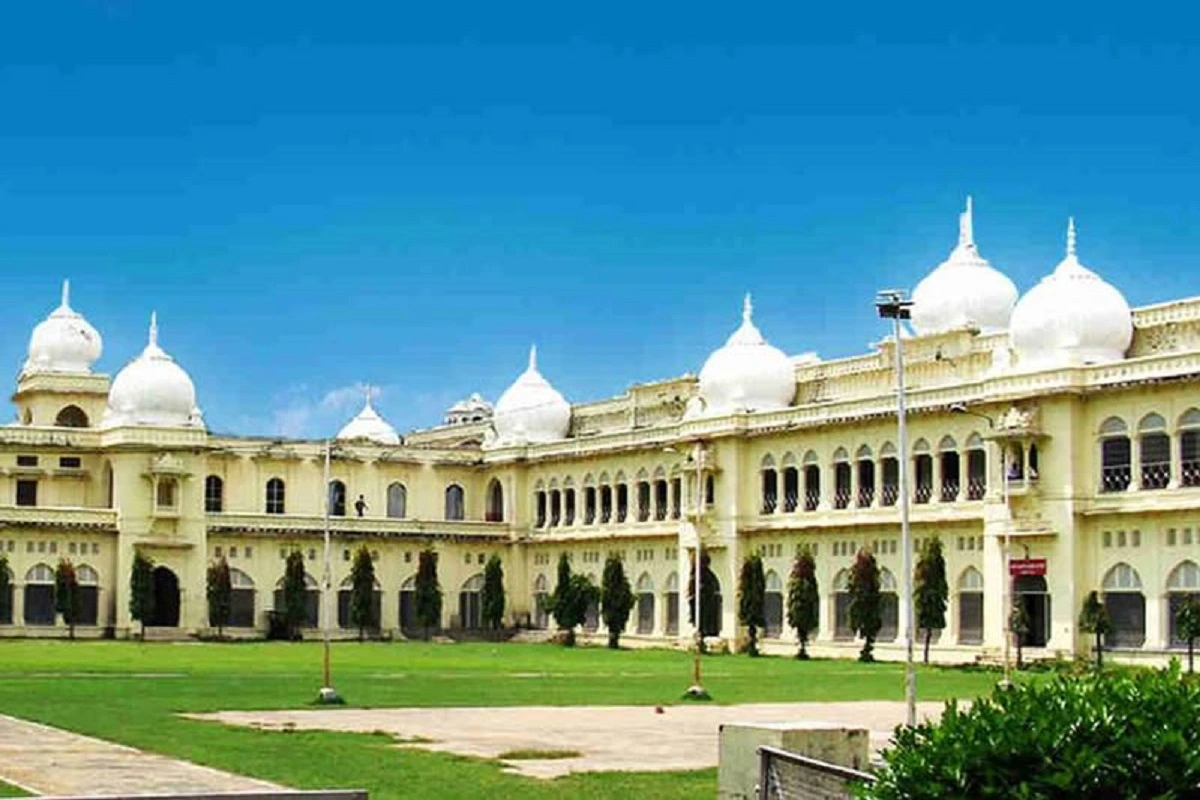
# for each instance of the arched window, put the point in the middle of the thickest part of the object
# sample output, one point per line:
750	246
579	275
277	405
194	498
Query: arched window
71	417
841	606
214	494
410	626
671	599
89	595
312	601
889	607
470	603
1154	447
541	505
1182	583
970	607
241	606
166	495
1116	456
791	484
622	499
976	467
568	502
662	494
454	502
770	486
345	598
275	496
889	466
589	500
39	595
643	496
710	490
337	498
841	478
922	472
495	502
812	481
951	469
397	501
1126	607
6	599
645	604
1189	448
1033	595
866	476
555	504
773	606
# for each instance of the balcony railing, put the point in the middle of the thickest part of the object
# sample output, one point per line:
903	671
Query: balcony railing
890	494
923	492
790	501
812	499
1115	478
1156	475
314	523
769	504
976	488
841	497
866	496
949	491
1189	474
48	516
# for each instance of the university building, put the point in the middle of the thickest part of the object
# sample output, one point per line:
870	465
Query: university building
1059	428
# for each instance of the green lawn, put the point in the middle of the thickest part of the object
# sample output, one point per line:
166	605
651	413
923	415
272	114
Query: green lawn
8	790
129	693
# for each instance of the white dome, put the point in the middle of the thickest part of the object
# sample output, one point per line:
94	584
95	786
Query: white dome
369	425
1072	317
964	290
64	341
531	410
152	390
473	409
747	374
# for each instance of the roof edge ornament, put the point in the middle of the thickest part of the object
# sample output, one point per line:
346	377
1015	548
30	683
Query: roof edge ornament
966	226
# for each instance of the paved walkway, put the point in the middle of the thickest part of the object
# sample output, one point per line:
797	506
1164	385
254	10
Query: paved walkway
48	760
607	737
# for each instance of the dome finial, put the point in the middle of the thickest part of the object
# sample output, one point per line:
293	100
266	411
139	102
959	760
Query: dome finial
66	293
154	329
1070	237
533	358
747	308
367	392
966	226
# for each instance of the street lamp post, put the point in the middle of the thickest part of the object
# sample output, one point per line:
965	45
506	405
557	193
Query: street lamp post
894	305
696	691
1006	602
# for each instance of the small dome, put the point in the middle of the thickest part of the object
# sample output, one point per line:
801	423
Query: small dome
531	410
153	390
747	374
964	290
473	409
64	341
1072	317
370	426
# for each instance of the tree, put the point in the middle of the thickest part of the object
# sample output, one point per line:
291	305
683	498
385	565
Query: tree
931	592
67	599
295	594
710	597
803	599
141	590
362	592
428	592
1018	626
492	601
752	600
1187	625
616	599
866	602
220	595
1094	619
5	589
572	596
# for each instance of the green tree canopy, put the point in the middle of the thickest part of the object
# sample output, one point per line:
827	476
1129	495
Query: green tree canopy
219	588
295	594
803	612
428	592
931	592
362	592
1094	619
492	601
710	596
616	599
5	590
1187	626
572	596
67	599
752	600
141	590
866	602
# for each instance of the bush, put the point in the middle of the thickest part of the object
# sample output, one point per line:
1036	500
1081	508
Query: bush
616	599
219	589
492	601
1112	736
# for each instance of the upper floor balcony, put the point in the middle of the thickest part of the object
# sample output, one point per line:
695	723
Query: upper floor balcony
103	519
237	522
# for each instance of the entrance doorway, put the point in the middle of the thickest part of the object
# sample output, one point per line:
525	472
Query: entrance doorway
166	599
1031	592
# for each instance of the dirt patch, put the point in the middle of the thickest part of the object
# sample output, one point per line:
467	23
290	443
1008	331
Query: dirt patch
608	738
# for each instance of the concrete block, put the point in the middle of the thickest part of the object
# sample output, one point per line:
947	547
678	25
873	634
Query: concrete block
737	772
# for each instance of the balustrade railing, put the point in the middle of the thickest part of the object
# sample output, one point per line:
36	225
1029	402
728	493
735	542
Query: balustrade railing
1115	478
1156	475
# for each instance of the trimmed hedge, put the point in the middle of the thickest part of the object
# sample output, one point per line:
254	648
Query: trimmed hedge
1110	736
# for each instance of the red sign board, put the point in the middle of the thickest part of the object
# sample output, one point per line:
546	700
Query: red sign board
1026	567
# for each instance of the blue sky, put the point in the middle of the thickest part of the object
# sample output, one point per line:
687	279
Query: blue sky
315	194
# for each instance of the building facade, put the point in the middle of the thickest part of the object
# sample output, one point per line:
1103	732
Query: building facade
1059	428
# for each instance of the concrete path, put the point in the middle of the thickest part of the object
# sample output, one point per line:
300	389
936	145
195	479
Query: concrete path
608	738
48	760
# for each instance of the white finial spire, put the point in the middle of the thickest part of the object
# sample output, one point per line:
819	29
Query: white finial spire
966	227
1070	237
747	308
66	293
367	392
533	358
154	329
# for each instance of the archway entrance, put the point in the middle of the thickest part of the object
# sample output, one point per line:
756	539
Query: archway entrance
1031	592
166	599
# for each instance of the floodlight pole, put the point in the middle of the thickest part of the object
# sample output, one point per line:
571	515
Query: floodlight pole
892	304
328	693
697	687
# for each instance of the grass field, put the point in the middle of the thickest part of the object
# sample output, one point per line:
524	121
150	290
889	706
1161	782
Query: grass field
8	790
130	693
